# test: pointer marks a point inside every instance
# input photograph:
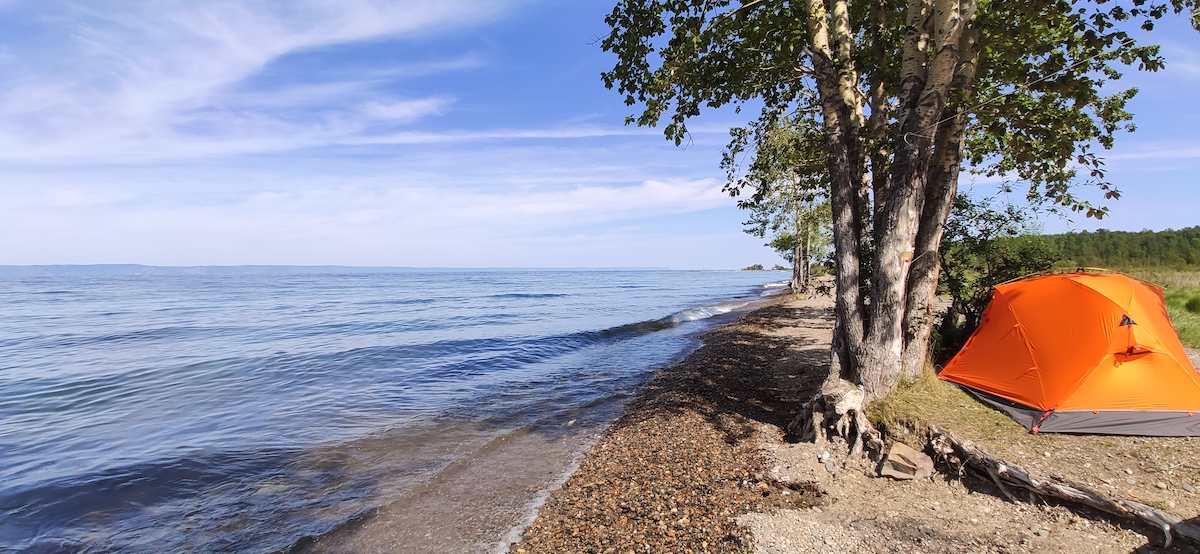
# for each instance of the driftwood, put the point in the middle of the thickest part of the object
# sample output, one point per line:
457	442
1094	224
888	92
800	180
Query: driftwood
837	410
1006	476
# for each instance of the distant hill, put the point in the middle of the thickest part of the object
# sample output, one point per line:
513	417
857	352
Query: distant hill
1170	249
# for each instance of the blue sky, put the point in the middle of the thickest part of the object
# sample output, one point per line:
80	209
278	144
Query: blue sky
462	133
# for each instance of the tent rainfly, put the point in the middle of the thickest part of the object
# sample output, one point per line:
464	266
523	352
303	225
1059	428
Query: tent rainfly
1081	353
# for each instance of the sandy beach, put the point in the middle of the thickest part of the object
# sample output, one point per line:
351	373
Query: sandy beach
699	463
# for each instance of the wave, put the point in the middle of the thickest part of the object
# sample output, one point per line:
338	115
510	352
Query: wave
527	295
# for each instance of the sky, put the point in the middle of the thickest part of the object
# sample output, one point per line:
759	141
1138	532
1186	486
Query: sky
457	133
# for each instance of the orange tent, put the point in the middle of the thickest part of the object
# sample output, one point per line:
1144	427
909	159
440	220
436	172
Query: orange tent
1081	353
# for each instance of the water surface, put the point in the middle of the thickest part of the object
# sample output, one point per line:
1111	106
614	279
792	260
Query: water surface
248	412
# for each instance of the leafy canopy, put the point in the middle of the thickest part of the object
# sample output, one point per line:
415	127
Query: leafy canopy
1040	107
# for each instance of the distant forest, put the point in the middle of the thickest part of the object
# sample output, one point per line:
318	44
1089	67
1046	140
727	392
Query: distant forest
1175	249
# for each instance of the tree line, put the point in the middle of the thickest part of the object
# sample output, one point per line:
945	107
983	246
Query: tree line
1170	249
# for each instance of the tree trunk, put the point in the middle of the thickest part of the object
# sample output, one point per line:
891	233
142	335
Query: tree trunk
799	278
884	346
842	112
806	250
926	267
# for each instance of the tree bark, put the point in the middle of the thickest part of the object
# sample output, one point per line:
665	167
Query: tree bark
799	263
806	251
841	109
926	265
884	344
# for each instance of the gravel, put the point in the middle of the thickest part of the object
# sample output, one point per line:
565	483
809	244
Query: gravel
699	463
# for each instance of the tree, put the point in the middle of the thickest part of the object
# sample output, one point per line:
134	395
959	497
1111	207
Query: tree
787	173
906	91
984	246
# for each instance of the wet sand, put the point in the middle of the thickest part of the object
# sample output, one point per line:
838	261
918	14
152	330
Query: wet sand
474	505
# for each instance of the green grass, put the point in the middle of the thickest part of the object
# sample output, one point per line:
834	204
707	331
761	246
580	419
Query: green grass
931	400
1182	293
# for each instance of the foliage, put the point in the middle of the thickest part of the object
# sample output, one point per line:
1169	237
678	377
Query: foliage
1177	249
755	267
1039	108
984	246
905	91
787	175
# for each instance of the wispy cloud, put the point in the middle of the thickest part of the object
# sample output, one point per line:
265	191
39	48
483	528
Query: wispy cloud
1182	57
406	110
337	223
161	79
1176	151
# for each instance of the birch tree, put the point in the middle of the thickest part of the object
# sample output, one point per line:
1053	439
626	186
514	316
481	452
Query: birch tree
906	90
780	162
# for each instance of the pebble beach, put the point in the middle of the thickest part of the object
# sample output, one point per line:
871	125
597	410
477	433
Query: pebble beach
699	463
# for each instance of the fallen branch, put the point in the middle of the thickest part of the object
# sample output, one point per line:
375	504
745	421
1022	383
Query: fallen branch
961	452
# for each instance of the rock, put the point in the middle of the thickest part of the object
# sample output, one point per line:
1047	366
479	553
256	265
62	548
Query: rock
1128	472
902	462
1131	481
1161	485
1189	488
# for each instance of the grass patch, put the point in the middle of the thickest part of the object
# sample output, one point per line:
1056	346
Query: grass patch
930	400
1182	293
1184	309
1171	280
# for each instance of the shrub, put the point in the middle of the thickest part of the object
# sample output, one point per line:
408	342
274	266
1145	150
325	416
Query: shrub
1193	305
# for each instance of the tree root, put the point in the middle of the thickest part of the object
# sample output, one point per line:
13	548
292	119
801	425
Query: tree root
837	412
963	453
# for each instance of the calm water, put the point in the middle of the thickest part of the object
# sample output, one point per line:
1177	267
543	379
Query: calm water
242	413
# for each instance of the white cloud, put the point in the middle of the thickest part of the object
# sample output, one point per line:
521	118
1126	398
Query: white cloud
1182	57
1174	151
406	110
159	78
323	222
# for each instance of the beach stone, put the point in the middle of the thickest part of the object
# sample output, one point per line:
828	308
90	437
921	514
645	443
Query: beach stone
902	462
1189	488
1161	485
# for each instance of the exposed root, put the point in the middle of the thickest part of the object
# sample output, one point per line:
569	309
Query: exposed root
837	412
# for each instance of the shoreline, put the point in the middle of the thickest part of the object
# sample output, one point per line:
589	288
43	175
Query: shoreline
684	460
698	463
486	500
